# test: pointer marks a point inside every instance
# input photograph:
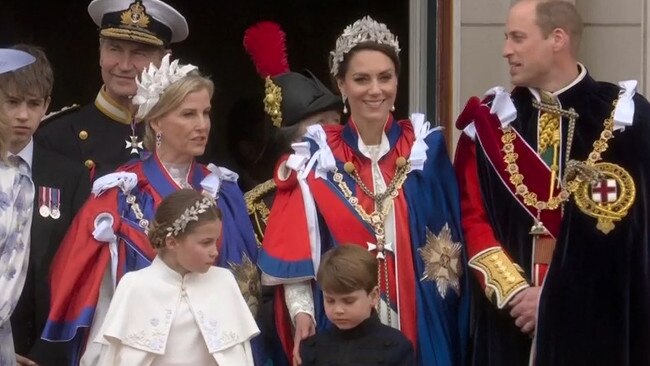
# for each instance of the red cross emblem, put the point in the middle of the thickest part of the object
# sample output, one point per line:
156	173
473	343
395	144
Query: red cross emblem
604	191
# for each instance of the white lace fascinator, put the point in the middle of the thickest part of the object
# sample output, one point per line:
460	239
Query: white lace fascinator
154	81
365	29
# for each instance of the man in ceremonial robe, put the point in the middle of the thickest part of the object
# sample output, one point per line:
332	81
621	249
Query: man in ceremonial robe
554	204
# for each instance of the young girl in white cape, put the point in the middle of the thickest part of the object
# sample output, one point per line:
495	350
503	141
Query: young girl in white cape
181	310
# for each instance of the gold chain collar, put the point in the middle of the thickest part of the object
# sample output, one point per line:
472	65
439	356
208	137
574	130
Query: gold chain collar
569	185
377	217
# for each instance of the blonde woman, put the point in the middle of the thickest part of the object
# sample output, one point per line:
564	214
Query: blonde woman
109	236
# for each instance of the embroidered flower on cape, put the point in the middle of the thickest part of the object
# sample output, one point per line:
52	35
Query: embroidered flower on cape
154	81
442	261
215	337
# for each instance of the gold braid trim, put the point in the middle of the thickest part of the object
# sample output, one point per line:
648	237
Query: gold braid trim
251	197
503	277
257	209
132	35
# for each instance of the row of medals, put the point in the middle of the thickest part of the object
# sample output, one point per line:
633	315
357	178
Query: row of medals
47	211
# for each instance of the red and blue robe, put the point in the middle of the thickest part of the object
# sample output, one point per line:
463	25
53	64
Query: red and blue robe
82	261
427	201
595	298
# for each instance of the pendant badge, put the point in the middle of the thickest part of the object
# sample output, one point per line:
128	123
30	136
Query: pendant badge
607	198
133	144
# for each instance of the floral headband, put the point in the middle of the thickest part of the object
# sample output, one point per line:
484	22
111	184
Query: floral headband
191	214
154	81
365	29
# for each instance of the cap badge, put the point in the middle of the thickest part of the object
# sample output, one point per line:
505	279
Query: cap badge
136	16
273	101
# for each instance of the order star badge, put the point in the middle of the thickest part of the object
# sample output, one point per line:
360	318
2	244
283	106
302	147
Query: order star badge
134	144
442	262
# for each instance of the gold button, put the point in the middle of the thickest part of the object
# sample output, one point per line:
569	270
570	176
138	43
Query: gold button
83	135
89	164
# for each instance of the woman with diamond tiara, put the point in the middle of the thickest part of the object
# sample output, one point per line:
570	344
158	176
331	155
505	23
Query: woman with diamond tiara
384	183
181	310
108	238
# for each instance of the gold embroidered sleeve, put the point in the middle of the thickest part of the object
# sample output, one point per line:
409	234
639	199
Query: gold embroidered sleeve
503	277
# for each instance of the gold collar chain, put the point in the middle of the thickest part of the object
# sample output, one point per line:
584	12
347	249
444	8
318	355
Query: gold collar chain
377	217
568	186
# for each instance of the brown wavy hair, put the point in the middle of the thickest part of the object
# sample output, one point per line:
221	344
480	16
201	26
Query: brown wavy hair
171	208
347	268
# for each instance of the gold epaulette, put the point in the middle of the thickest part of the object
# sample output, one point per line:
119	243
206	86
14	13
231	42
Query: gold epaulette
503	277
257	209
251	197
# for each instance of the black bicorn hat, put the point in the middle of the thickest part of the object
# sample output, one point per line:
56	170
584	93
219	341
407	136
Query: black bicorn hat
290	97
144	21
303	95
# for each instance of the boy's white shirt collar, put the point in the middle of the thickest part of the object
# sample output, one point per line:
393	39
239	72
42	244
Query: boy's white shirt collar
27	153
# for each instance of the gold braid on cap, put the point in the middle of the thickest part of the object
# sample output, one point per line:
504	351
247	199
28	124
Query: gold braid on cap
191	214
273	101
365	29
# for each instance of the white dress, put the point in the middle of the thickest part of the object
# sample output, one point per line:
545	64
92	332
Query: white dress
16	205
158	317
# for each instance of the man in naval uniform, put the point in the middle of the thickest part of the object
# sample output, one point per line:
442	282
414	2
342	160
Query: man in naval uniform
103	134
554	182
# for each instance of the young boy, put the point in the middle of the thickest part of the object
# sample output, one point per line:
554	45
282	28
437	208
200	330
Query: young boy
60	188
348	277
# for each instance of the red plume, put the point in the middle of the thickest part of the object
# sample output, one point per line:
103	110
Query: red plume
265	43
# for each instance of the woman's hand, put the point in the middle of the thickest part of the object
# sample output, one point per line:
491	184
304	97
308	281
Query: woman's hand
304	328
